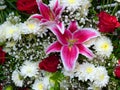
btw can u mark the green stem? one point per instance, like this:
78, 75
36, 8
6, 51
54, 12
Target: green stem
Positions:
115, 8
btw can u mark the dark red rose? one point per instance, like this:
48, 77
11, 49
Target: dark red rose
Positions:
27, 6
50, 63
2, 56
107, 23
0, 87
117, 71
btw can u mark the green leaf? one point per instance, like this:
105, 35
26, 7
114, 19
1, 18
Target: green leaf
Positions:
57, 77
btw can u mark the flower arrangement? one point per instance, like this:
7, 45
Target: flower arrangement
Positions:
59, 45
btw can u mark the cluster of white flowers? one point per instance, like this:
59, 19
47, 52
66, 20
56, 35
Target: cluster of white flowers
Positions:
41, 84
11, 30
28, 69
88, 72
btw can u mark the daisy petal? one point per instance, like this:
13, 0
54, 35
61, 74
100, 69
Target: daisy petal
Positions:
85, 51
54, 47
69, 56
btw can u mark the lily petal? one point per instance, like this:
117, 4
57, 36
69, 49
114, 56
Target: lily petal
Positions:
69, 56
84, 35
61, 27
73, 26
85, 51
62, 38
54, 47
38, 16
56, 5
45, 11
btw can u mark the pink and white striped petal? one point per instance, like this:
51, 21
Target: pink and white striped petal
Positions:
69, 56
84, 35
61, 27
37, 16
54, 47
85, 51
45, 11
73, 26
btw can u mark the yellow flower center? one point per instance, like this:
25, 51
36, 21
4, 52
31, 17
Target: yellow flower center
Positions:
11, 31
102, 77
105, 46
89, 70
40, 86
29, 70
31, 26
71, 1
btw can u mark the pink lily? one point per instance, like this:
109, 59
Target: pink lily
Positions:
71, 44
50, 17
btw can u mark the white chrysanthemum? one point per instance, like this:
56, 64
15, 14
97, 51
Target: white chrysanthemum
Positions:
30, 26
41, 84
17, 78
71, 74
29, 69
103, 46
12, 31
71, 4
101, 77
9, 46
86, 72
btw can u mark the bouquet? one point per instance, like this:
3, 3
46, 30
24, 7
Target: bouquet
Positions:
59, 45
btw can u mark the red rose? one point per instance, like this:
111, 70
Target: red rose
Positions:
2, 56
27, 6
117, 71
49, 64
0, 87
107, 23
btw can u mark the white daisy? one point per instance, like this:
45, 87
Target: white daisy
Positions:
12, 31
41, 84
30, 26
72, 73
17, 78
29, 69
71, 4
86, 71
103, 46
101, 77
